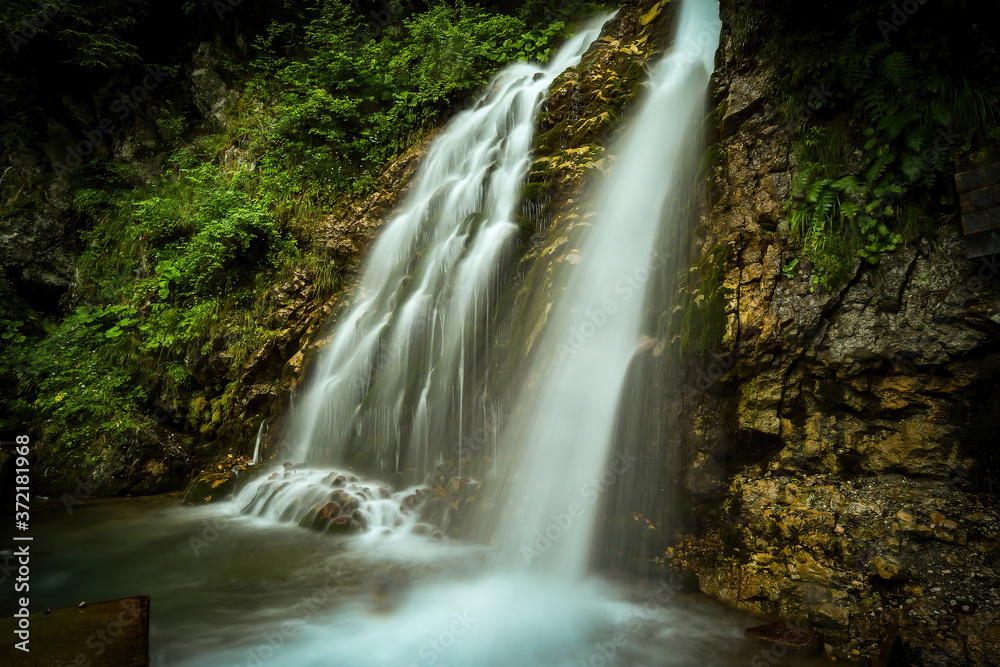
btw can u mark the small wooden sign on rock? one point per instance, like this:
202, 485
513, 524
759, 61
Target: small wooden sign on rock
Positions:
979, 198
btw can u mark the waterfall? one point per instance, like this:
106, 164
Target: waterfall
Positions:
405, 374
261, 432
405, 370
568, 417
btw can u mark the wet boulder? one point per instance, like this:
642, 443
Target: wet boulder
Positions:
349, 503
210, 487
343, 524
323, 516
330, 511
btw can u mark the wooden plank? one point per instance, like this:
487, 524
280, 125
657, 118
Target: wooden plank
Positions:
105, 634
982, 244
978, 178
981, 199
981, 221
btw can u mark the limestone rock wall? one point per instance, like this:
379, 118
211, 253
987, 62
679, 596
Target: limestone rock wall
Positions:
843, 452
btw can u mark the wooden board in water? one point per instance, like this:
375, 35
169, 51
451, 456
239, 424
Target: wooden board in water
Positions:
981, 199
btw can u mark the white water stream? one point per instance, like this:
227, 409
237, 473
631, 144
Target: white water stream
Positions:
567, 417
403, 378
408, 365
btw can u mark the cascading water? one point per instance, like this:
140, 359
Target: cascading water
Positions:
405, 371
568, 417
261, 432
406, 367
410, 358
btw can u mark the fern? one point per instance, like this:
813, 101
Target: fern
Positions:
898, 68
899, 92
848, 184
874, 52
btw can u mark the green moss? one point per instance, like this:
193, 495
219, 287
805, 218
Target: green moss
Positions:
533, 190
700, 321
715, 116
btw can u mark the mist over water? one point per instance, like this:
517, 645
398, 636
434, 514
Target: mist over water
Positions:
406, 373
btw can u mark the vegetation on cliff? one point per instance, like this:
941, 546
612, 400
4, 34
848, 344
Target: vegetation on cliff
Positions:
308, 104
881, 98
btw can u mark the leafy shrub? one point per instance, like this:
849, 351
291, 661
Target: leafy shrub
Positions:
898, 105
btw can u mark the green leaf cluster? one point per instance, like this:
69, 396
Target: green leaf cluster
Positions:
879, 112
352, 95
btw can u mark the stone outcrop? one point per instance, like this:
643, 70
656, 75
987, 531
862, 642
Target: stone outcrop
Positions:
586, 108
841, 462
835, 452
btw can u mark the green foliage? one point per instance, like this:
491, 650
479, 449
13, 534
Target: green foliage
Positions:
897, 105
347, 100
10, 331
81, 394
165, 269
90, 35
206, 233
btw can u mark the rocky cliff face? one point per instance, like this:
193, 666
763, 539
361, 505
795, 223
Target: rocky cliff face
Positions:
270, 376
842, 451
